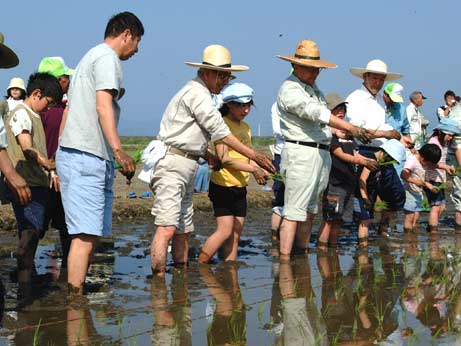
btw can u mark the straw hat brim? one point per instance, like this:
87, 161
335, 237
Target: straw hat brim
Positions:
232, 68
307, 62
390, 76
8, 58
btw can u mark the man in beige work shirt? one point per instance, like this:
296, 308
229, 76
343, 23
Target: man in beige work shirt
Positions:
305, 124
190, 121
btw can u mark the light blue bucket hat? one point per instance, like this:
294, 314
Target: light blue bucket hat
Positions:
394, 149
237, 92
448, 126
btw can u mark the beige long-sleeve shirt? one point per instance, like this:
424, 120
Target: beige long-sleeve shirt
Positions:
191, 119
304, 115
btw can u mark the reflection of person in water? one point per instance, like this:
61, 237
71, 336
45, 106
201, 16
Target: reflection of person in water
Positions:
173, 323
302, 323
334, 303
60, 324
358, 308
229, 319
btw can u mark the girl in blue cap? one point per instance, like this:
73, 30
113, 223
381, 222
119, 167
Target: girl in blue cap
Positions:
227, 189
436, 178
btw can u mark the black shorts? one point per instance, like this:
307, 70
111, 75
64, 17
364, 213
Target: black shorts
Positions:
54, 214
227, 201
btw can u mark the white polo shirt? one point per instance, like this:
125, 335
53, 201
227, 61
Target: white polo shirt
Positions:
365, 110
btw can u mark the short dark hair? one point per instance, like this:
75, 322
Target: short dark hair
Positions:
47, 84
224, 110
431, 153
449, 93
122, 21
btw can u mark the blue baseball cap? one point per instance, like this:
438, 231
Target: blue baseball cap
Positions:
237, 92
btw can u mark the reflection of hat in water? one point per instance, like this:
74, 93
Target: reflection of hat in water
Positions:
394, 149
448, 126
237, 92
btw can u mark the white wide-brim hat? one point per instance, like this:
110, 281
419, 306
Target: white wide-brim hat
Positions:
375, 66
217, 57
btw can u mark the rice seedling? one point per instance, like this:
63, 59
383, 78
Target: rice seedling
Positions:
136, 158
382, 163
441, 187
277, 177
37, 332
381, 205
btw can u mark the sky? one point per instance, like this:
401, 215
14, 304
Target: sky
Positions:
417, 38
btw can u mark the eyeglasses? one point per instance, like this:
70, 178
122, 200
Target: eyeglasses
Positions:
50, 102
225, 76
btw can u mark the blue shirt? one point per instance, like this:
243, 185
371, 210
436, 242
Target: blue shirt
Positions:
396, 116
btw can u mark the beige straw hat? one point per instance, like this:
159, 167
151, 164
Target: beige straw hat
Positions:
307, 54
375, 66
217, 57
8, 58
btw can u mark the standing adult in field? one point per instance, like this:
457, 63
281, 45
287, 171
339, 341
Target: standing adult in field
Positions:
365, 109
51, 119
416, 119
190, 121
305, 122
90, 142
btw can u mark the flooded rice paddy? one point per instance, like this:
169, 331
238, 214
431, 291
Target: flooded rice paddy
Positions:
405, 290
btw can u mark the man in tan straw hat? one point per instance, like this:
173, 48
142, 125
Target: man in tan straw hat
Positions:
305, 123
8, 59
190, 121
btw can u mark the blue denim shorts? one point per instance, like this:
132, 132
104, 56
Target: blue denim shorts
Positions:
413, 201
86, 191
32, 215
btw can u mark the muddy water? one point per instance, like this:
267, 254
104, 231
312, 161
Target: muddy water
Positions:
404, 290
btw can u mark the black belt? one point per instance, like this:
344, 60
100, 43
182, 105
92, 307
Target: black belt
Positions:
369, 148
310, 144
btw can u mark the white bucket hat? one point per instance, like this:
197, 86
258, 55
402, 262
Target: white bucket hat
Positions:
16, 82
217, 57
375, 66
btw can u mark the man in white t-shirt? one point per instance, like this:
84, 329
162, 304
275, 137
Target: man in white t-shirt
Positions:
90, 143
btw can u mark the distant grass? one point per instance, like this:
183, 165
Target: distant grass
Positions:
131, 144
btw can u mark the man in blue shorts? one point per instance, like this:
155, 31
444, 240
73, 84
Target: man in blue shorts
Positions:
90, 143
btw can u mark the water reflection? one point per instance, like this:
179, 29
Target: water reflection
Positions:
302, 322
228, 326
172, 321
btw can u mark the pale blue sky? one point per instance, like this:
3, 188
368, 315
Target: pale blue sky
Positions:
419, 39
